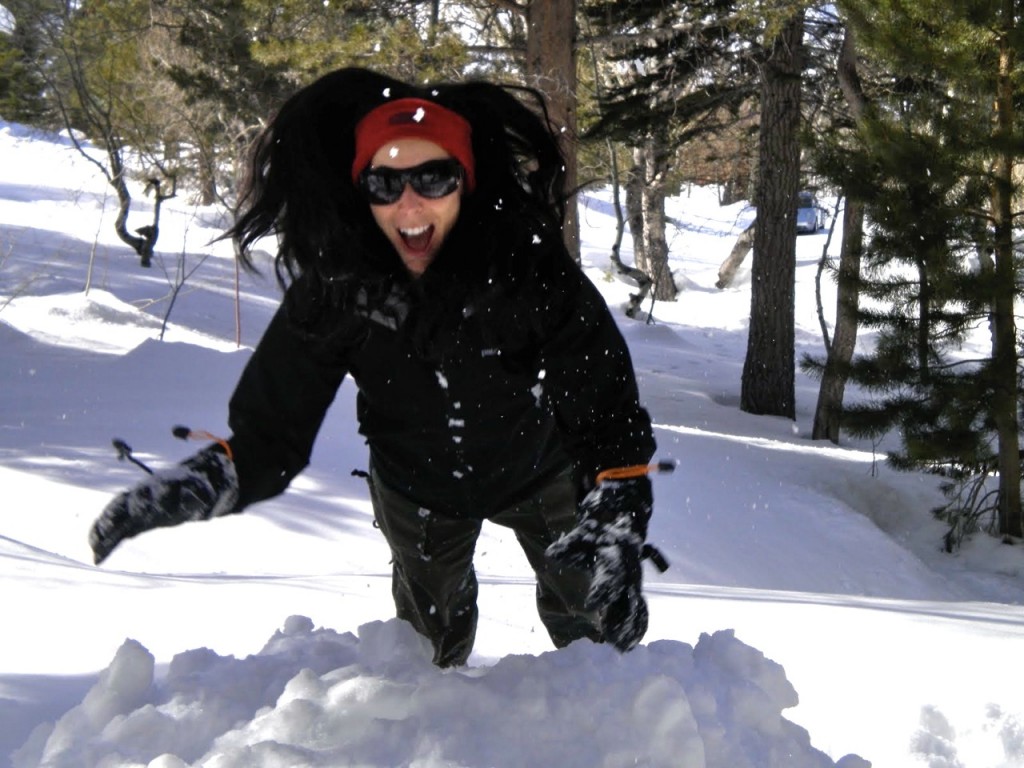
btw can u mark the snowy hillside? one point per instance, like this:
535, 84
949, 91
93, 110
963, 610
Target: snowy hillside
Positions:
808, 616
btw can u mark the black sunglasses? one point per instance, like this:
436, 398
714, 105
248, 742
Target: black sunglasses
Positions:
433, 179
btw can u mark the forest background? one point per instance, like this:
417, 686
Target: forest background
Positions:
905, 112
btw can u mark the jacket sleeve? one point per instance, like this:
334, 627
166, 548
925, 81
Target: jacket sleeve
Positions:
590, 385
279, 404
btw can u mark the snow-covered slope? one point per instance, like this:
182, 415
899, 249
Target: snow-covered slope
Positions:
808, 612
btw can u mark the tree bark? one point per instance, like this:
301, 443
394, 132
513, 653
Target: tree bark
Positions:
828, 412
769, 370
551, 69
739, 252
124, 207
643, 281
635, 218
634, 205
655, 240
840, 351
1004, 351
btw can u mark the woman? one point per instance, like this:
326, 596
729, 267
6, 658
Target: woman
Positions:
420, 247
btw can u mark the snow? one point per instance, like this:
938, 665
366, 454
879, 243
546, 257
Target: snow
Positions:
809, 616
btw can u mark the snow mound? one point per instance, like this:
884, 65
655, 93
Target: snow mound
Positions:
314, 697
97, 321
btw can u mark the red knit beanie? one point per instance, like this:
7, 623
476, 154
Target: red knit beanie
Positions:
419, 119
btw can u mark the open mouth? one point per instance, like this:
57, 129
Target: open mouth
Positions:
418, 238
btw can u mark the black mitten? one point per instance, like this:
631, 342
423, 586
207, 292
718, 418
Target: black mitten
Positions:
608, 541
201, 487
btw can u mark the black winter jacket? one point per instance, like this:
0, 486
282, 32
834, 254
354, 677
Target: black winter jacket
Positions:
467, 434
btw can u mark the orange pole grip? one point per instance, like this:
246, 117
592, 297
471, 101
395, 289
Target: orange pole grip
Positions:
634, 470
204, 435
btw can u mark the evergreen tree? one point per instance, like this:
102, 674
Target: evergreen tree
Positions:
21, 87
696, 66
678, 76
837, 105
237, 60
88, 57
768, 380
551, 68
933, 169
532, 43
681, 74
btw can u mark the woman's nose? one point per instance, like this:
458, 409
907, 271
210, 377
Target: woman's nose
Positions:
409, 197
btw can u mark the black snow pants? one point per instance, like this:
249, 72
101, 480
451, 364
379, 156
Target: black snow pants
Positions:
434, 583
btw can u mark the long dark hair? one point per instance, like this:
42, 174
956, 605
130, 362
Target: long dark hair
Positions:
298, 187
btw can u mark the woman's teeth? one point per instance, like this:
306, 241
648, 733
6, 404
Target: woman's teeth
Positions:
417, 238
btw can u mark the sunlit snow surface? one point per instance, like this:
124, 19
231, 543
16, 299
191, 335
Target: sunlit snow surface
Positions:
801, 572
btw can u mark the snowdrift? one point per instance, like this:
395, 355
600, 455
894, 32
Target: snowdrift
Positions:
314, 697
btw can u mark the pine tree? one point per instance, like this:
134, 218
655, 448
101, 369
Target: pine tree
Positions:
933, 166
680, 78
687, 60
845, 112
769, 369
88, 56
238, 60
21, 87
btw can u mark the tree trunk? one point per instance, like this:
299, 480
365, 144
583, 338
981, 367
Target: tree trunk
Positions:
828, 412
551, 69
634, 205
141, 245
844, 339
635, 218
1004, 351
620, 220
653, 212
769, 370
739, 252
642, 280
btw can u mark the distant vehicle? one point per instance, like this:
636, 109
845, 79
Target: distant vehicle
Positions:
810, 217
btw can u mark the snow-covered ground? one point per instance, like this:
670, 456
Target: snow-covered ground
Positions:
808, 615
